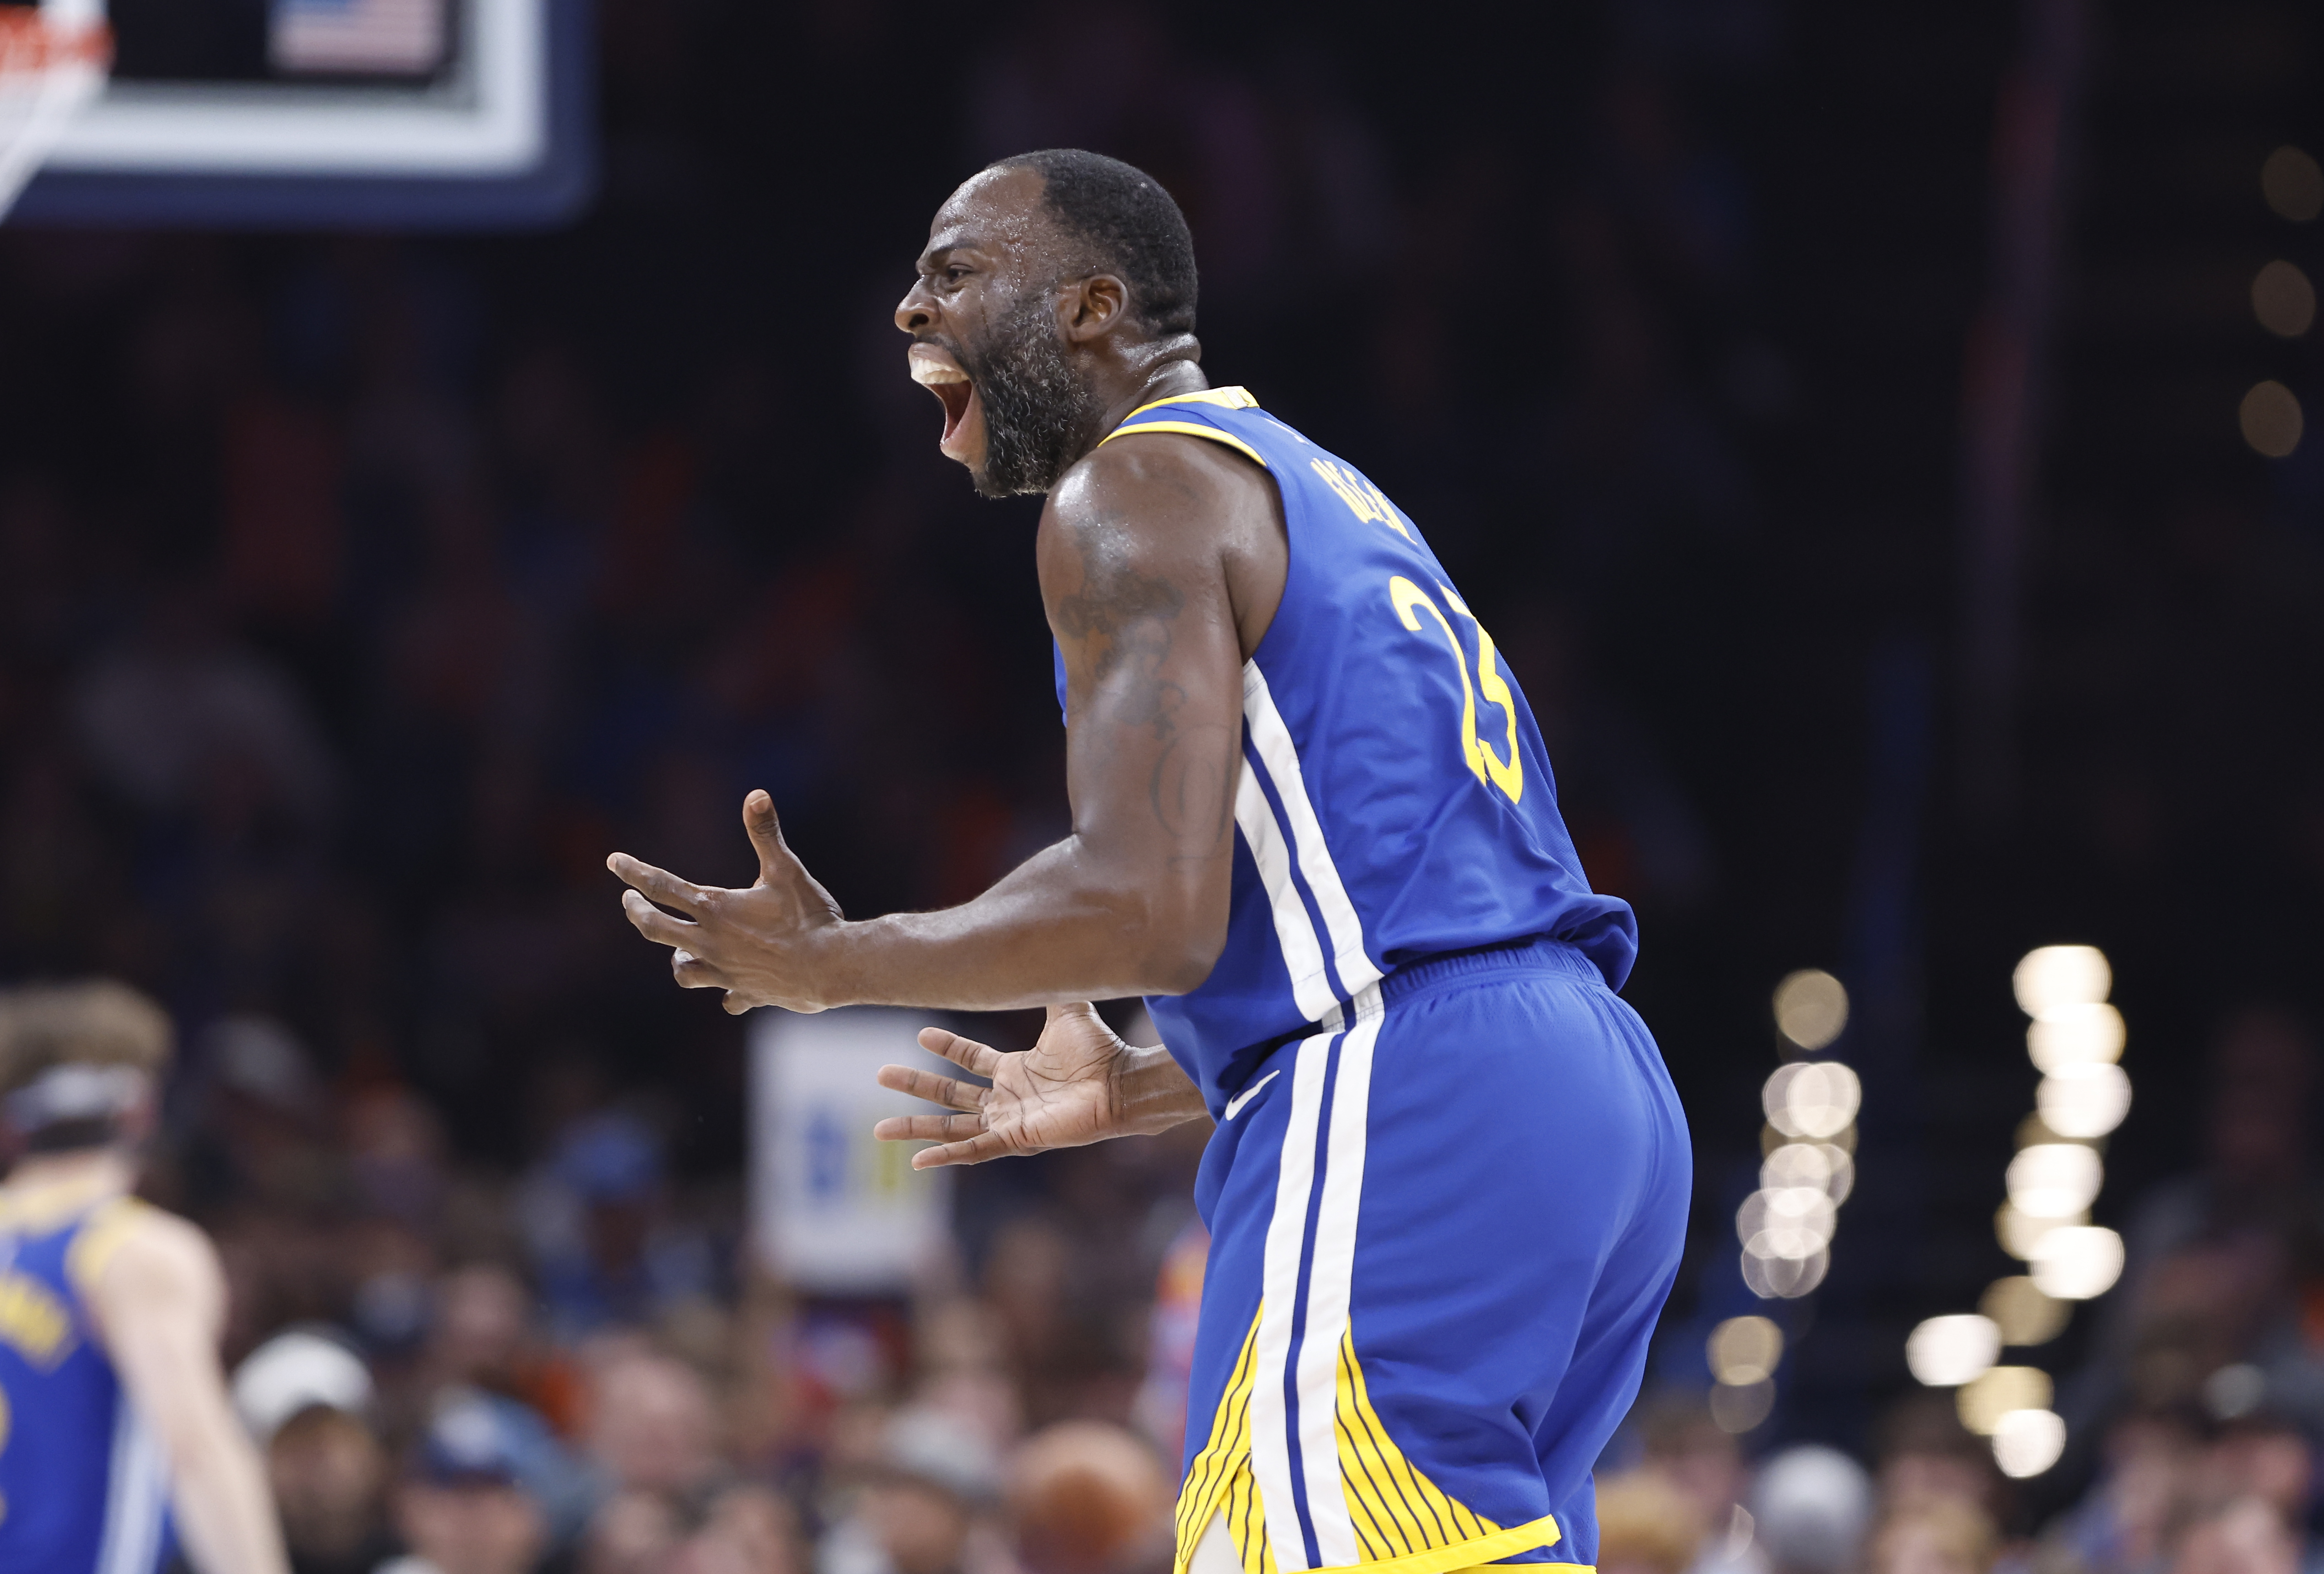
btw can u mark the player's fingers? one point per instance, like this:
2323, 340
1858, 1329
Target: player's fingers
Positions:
948, 1091
659, 885
655, 925
929, 1128
766, 832
977, 1060
693, 973
976, 1151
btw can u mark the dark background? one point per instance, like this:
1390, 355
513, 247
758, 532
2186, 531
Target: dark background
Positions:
361, 592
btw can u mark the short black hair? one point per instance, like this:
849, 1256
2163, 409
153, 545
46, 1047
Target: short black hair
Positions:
1128, 222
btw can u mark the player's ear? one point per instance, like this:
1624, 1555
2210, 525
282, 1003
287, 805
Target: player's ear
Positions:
1094, 305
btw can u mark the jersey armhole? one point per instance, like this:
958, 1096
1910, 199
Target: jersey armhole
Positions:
99, 1238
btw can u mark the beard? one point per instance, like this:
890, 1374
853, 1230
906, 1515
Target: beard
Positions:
1039, 414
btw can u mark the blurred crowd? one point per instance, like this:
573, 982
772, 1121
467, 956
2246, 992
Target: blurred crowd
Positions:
576, 1368
2178, 1493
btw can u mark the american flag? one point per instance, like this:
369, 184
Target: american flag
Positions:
389, 37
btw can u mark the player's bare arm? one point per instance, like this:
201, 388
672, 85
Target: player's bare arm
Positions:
1137, 549
160, 1304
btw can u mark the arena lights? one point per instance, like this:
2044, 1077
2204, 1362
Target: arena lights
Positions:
1811, 1008
2292, 184
2075, 1040
1999, 1391
2272, 420
2283, 299
2026, 1442
1945, 1352
2023, 1312
1786, 1226
1744, 1352
2054, 1180
2077, 1262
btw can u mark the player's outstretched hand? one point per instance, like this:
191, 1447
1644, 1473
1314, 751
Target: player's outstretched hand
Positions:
757, 944
1071, 1088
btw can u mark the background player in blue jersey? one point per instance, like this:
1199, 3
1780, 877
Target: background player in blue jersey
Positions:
117, 1442
1315, 826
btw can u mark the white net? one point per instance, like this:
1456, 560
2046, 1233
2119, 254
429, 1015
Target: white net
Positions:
53, 59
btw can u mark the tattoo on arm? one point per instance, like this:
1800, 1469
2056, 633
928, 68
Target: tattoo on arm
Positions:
1125, 616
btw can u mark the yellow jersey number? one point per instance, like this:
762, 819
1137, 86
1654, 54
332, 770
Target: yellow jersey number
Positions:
1509, 775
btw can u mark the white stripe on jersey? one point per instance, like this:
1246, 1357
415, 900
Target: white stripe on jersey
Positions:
136, 1495
1270, 1421
1331, 1270
1271, 739
1294, 931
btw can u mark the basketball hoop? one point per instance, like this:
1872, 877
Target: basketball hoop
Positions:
53, 58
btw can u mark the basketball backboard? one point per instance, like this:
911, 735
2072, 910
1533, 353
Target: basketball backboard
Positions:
466, 114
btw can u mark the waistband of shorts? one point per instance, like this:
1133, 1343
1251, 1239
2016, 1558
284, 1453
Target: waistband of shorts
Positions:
1536, 954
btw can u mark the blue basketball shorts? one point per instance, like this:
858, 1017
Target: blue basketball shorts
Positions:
1441, 1233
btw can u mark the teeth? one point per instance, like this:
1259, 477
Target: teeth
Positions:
928, 373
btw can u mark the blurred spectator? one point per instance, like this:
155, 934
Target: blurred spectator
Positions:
2147, 1485
1811, 1505
916, 1501
2242, 1536
306, 1398
597, 1220
652, 1426
1938, 1535
484, 1335
1926, 1457
1646, 1525
1085, 1497
464, 1507
1684, 1446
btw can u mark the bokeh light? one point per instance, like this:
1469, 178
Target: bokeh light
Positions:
1744, 1350
1784, 1278
2054, 1180
1994, 1393
2021, 1234
1945, 1352
2293, 184
1811, 1008
2022, 1312
2051, 978
2083, 1101
2283, 299
1823, 1165
2026, 1442
2076, 1035
1812, 1099
2077, 1262
1790, 1222
2272, 420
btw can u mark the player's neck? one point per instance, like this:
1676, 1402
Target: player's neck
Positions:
91, 1171
1165, 369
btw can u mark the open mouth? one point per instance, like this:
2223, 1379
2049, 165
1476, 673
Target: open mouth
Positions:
935, 370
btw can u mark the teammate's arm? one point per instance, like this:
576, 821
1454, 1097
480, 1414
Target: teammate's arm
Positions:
1136, 550
160, 1304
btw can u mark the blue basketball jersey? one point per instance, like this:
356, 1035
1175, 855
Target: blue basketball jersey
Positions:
1394, 799
84, 1488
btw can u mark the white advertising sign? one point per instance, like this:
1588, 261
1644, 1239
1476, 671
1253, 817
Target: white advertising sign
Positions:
834, 1210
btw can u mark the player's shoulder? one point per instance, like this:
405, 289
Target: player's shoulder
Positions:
1184, 486
149, 1249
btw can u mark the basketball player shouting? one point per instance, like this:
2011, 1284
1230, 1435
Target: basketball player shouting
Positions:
1315, 826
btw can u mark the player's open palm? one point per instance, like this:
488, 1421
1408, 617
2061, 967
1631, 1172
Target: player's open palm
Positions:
1062, 1093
